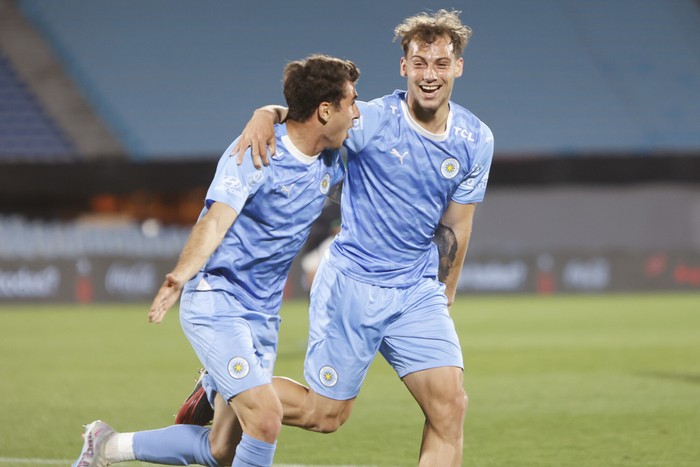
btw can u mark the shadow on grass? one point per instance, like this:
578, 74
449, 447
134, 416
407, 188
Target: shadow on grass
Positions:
692, 378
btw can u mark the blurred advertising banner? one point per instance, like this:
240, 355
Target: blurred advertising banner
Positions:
133, 279
550, 273
84, 280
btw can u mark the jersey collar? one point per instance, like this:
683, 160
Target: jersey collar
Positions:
300, 156
422, 131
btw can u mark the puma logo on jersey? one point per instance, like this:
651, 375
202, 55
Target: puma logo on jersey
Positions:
398, 155
286, 189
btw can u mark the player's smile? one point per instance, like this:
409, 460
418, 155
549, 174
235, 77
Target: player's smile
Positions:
429, 90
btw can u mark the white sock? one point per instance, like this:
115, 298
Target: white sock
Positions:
120, 448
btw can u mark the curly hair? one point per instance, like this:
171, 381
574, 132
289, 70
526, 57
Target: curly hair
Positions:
428, 28
316, 79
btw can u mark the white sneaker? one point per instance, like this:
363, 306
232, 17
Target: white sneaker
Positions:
96, 435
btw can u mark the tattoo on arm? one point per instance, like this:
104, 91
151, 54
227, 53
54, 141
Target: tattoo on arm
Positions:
446, 241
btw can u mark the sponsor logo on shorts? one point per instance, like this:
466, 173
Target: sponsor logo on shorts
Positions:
238, 367
325, 184
328, 376
449, 168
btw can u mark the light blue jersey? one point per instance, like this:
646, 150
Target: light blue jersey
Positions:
408, 176
377, 288
230, 310
276, 207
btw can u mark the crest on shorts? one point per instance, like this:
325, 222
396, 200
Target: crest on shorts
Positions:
328, 376
238, 367
449, 168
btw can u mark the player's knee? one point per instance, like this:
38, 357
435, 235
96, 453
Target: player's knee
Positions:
327, 424
450, 409
460, 402
330, 420
268, 426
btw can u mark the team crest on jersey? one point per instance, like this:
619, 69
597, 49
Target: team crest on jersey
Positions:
328, 376
325, 184
238, 367
449, 168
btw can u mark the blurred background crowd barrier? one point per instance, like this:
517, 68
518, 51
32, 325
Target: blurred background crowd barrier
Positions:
114, 114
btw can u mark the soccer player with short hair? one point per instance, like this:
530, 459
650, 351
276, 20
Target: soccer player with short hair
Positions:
232, 272
417, 165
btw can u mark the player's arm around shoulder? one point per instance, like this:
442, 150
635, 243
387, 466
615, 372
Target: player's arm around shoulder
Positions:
452, 239
259, 135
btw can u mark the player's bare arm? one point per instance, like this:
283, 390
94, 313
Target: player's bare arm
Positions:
259, 135
452, 238
205, 237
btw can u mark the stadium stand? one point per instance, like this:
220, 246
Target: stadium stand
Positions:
25, 130
552, 77
594, 106
55, 99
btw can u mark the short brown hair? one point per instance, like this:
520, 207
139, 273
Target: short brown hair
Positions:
316, 79
428, 28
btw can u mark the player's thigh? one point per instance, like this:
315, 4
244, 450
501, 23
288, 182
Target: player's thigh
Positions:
439, 392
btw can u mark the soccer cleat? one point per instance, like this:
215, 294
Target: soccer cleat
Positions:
196, 409
96, 435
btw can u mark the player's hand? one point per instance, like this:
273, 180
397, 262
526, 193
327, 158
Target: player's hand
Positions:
166, 297
259, 136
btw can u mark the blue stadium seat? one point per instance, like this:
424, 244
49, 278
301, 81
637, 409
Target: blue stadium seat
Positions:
26, 132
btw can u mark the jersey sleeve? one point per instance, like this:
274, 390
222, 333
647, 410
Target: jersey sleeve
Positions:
473, 188
233, 184
366, 126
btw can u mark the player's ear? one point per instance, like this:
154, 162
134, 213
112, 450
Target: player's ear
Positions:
324, 112
403, 67
459, 67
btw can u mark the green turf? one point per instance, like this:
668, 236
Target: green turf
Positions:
556, 381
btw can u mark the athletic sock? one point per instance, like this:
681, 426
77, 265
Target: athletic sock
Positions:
175, 445
252, 452
120, 448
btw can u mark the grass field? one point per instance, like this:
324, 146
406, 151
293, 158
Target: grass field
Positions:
555, 381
